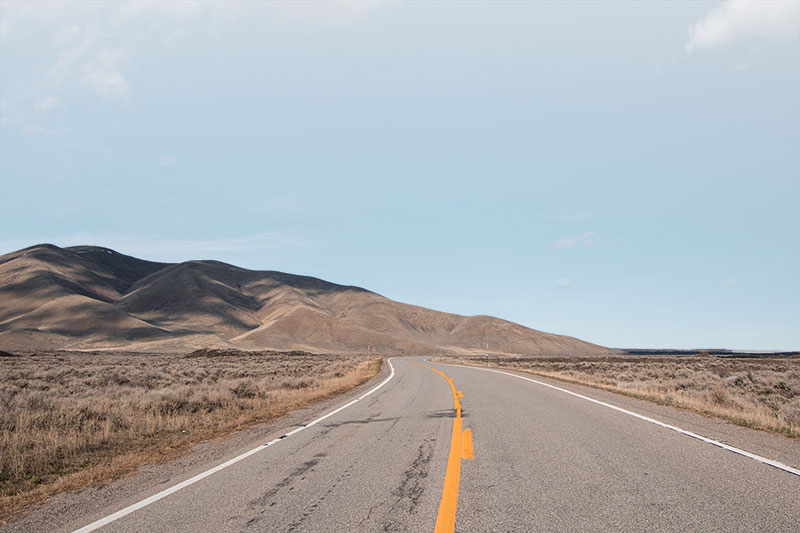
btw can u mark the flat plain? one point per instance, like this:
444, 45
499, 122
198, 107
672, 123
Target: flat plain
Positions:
72, 419
542, 460
757, 392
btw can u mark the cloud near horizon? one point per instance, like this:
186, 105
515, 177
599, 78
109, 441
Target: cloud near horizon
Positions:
169, 249
568, 218
102, 74
563, 283
166, 161
738, 20
571, 242
46, 105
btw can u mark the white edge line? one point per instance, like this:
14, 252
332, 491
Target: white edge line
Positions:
175, 488
733, 449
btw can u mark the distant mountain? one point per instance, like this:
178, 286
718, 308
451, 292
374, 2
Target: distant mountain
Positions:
87, 297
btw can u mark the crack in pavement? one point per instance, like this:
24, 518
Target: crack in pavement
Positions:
408, 494
261, 502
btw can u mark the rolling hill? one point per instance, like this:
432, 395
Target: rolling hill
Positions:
88, 297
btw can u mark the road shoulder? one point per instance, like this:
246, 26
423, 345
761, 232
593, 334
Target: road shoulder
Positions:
70, 510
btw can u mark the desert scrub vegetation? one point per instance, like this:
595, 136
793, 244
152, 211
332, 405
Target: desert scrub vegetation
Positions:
762, 392
73, 419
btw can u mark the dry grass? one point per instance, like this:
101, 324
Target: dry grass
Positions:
71, 419
762, 393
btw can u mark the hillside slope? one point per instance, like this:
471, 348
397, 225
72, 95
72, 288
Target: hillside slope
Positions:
87, 297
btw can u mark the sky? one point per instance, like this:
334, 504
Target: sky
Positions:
625, 173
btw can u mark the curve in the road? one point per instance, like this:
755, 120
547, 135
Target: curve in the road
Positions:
460, 448
175, 488
733, 449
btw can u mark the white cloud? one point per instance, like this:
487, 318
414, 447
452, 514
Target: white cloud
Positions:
103, 76
160, 249
46, 105
291, 205
325, 13
91, 39
745, 63
72, 53
166, 161
568, 218
5, 30
738, 20
730, 282
570, 242
98, 70
66, 35
175, 35
33, 129
563, 283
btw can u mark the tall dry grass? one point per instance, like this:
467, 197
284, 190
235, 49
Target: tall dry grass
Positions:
762, 393
70, 419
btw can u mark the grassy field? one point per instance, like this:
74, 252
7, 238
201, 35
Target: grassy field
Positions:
762, 393
73, 419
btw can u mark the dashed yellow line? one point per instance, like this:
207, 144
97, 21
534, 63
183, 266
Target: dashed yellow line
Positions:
460, 448
467, 451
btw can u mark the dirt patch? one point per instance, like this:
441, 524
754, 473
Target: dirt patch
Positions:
213, 352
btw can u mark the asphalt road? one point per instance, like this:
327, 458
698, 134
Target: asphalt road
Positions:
544, 460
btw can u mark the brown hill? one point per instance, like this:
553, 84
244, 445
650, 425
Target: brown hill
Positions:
86, 297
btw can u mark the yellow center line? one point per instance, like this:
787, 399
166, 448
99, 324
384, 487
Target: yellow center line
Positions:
460, 448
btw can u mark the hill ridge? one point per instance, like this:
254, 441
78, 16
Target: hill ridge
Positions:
92, 297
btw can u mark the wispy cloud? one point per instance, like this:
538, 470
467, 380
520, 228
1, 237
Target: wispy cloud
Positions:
581, 240
166, 161
199, 248
46, 105
568, 218
737, 20
66, 35
80, 60
92, 40
33, 129
175, 35
170, 250
730, 282
103, 75
74, 45
563, 283
745, 63
5, 31
325, 14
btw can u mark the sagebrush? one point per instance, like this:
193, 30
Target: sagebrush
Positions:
69, 419
762, 392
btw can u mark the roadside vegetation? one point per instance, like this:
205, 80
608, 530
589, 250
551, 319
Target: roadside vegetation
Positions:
73, 419
761, 393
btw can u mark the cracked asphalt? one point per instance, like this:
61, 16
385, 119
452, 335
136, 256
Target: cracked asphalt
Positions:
544, 461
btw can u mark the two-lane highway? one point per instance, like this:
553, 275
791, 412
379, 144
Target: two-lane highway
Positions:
544, 460
549, 461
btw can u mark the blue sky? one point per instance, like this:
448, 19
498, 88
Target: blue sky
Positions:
626, 173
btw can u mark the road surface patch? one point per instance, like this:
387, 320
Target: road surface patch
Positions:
739, 451
191, 481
